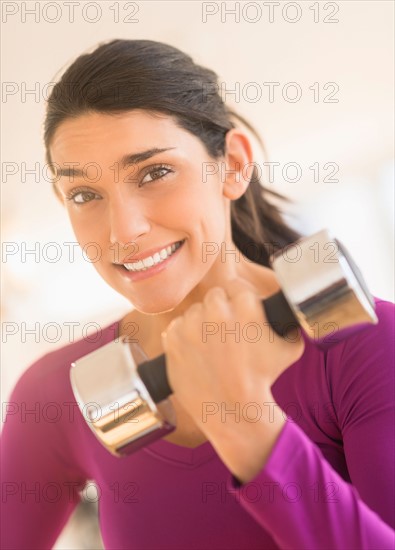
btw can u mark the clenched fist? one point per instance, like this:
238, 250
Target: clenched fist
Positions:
222, 351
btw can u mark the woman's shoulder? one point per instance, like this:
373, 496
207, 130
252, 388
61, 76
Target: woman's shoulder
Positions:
360, 370
50, 372
351, 369
385, 310
374, 338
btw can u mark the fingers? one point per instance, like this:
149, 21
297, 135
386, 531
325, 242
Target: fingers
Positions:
220, 301
229, 290
171, 330
216, 298
244, 297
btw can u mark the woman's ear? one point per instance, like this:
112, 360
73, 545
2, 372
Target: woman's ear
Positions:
238, 166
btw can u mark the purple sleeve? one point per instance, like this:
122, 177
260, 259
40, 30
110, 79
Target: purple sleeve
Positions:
39, 487
311, 506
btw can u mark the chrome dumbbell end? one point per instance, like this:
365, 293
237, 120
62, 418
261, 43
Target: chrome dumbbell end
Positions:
115, 402
324, 288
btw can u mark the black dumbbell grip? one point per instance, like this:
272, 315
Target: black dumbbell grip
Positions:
153, 373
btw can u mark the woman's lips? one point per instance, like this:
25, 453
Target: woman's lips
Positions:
147, 253
151, 271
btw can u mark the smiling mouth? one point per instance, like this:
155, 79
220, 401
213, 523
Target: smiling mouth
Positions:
151, 261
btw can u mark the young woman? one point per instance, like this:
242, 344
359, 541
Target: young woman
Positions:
146, 156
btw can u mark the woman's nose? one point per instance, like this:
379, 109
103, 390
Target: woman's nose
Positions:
127, 220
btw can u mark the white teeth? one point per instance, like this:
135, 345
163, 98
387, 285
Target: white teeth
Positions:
157, 258
148, 262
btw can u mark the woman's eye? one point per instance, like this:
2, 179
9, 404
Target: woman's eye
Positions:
155, 171
82, 197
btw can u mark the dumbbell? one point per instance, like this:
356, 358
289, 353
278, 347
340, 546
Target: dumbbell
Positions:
123, 395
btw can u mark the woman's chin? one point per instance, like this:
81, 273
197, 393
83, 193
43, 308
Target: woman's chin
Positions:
155, 310
157, 307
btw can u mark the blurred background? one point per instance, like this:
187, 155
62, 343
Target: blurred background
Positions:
316, 79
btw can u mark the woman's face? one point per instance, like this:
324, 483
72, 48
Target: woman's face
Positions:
122, 208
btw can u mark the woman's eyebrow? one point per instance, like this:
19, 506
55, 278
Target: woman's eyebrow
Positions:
125, 161
134, 158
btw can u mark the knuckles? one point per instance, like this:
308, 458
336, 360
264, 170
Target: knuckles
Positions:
194, 311
214, 294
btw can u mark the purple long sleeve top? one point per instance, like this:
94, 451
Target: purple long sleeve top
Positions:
328, 482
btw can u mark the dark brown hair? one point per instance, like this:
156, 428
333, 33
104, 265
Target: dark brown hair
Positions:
123, 75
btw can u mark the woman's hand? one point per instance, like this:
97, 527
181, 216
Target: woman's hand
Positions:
222, 358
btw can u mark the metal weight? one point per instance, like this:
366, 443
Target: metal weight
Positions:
123, 395
115, 402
